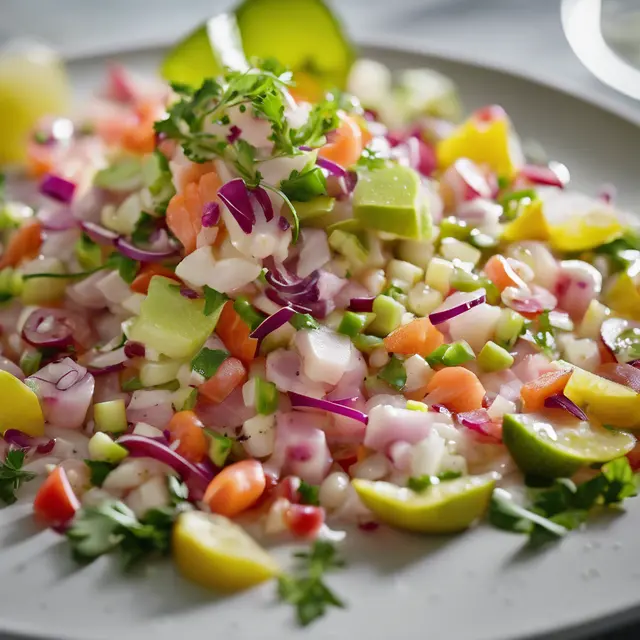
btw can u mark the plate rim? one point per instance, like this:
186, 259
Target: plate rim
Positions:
389, 44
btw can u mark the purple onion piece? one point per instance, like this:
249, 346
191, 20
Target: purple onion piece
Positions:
283, 223
362, 305
57, 188
133, 349
235, 195
189, 293
98, 233
273, 322
210, 214
57, 333
264, 201
332, 167
299, 401
438, 317
22, 440
143, 255
234, 134
560, 401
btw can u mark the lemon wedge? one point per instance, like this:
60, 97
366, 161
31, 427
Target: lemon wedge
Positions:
20, 408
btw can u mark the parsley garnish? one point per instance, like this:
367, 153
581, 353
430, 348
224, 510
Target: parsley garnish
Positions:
213, 300
309, 493
370, 160
422, 483
308, 593
99, 470
304, 186
303, 321
544, 337
12, 476
394, 373
208, 361
563, 506
126, 267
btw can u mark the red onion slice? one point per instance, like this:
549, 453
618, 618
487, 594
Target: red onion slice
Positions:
23, 440
555, 174
478, 421
210, 214
332, 167
57, 188
265, 202
98, 233
49, 328
197, 478
273, 322
143, 255
446, 313
299, 401
560, 401
235, 195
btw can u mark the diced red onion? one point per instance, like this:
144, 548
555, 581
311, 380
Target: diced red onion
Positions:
578, 283
143, 255
57, 188
607, 193
134, 349
196, 478
234, 133
555, 174
362, 305
235, 195
560, 401
210, 214
22, 440
108, 362
623, 373
283, 223
299, 401
445, 313
635, 363
49, 328
478, 421
439, 408
98, 233
332, 167
152, 406
189, 293
610, 329
273, 322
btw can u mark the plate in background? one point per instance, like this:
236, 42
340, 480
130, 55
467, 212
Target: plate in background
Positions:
480, 585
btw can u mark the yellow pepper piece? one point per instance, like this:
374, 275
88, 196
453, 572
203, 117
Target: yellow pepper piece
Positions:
584, 232
19, 407
482, 142
529, 225
624, 297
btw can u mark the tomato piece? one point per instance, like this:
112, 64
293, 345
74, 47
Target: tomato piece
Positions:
236, 488
304, 520
234, 332
230, 375
55, 503
24, 244
186, 429
502, 274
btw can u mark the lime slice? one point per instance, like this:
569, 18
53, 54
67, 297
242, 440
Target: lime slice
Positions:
447, 507
303, 35
23, 411
544, 450
624, 296
33, 83
215, 553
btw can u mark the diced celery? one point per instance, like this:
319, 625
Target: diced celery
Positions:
110, 416
415, 405
348, 245
422, 299
153, 374
388, 314
493, 357
366, 343
102, 447
170, 323
509, 327
439, 274
451, 227
457, 353
266, 397
482, 240
40, 291
453, 249
354, 323
435, 357
418, 252
404, 271
219, 447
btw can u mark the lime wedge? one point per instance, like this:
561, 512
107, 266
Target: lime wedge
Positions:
33, 83
544, 450
215, 553
303, 35
447, 507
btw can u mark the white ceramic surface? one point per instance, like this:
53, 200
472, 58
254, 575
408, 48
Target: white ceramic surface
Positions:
480, 585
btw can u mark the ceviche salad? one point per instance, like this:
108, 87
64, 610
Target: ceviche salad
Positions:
249, 304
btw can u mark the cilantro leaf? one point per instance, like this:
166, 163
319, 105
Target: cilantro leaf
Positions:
307, 592
145, 226
394, 373
12, 476
303, 321
304, 186
99, 470
213, 300
309, 493
208, 361
370, 160
126, 267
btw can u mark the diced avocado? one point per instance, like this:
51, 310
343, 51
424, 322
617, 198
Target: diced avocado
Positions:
493, 357
349, 246
457, 353
320, 206
219, 447
354, 323
110, 416
390, 200
102, 447
388, 314
170, 323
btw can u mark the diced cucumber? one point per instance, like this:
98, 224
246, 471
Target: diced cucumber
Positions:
452, 227
417, 252
124, 174
354, 323
404, 271
318, 207
153, 374
123, 219
184, 399
102, 447
509, 327
453, 249
13, 214
157, 178
30, 361
219, 447
457, 353
439, 274
435, 357
366, 343
493, 357
170, 323
11, 284
110, 416
40, 291
388, 314
349, 246
422, 299
88, 253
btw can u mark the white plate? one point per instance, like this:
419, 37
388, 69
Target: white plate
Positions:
480, 585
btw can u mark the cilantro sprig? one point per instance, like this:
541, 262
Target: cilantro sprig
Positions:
12, 476
307, 591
